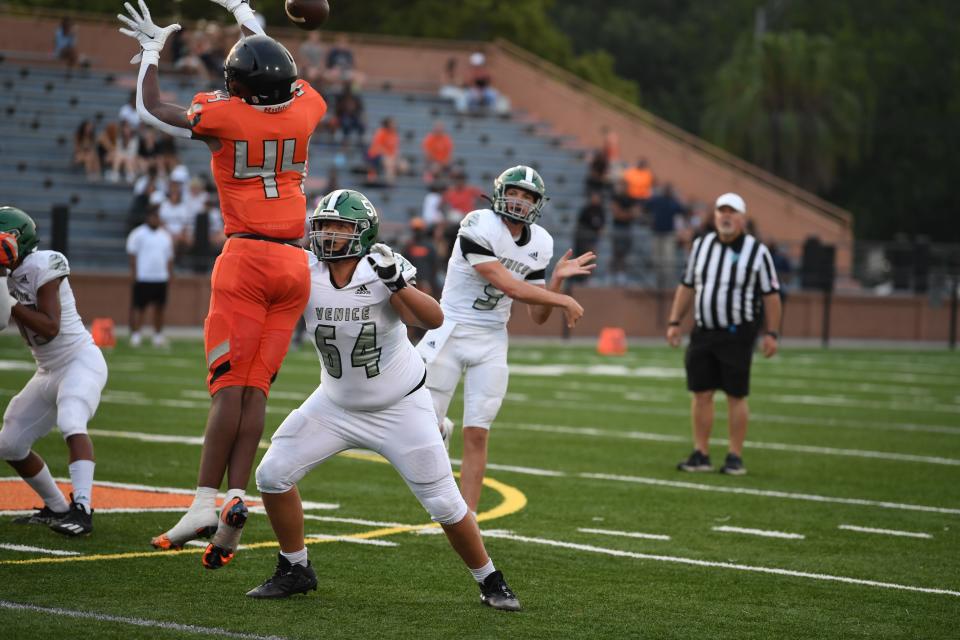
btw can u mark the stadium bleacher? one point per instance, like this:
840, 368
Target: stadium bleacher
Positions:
43, 105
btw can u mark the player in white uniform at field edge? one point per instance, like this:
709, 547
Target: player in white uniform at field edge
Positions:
371, 395
65, 390
500, 255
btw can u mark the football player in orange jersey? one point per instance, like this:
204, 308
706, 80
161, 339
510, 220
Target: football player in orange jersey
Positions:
258, 132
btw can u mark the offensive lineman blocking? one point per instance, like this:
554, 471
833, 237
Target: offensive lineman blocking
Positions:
65, 390
371, 396
258, 132
500, 255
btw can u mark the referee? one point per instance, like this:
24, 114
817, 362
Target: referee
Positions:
728, 273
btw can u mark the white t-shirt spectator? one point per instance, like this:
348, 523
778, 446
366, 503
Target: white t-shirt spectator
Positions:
153, 251
176, 217
432, 211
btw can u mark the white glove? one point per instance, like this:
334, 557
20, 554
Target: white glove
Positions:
384, 263
243, 13
150, 36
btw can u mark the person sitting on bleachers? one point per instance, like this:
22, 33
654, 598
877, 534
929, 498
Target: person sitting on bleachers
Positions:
383, 155
148, 151
310, 60
65, 43
350, 118
461, 197
125, 155
107, 144
341, 66
175, 213
85, 150
438, 152
128, 112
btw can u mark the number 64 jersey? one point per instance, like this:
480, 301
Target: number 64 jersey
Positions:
467, 297
368, 362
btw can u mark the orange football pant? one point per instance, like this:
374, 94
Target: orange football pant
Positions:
259, 290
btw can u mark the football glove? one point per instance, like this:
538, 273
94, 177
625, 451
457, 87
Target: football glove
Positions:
9, 250
384, 263
150, 36
243, 13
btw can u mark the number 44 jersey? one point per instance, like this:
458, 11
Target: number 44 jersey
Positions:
261, 166
467, 297
368, 362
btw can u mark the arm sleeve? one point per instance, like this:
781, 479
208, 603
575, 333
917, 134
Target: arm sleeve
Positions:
149, 118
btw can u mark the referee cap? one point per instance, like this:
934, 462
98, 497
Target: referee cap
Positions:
733, 201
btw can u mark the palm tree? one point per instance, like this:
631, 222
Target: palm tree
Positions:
792, 103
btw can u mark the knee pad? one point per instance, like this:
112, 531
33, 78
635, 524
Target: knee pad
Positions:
442, 500
73, 414
11, 447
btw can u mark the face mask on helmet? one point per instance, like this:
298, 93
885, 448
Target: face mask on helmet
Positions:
344, 225
517, 206
519, 194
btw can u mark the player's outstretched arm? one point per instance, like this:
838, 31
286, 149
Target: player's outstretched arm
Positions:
245, 16
497, 275
169, 118
45, 319
566, 267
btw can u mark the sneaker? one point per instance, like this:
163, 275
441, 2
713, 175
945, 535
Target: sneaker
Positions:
227, 538
446, 432
135, 340
191, 526
77, 522
45, 516
697, 462
159, 341
733, 465
495, 593
287, 580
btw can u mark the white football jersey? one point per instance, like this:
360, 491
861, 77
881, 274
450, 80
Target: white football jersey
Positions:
470, 299
368, 362
36, 270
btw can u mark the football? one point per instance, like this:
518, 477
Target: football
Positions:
307, 14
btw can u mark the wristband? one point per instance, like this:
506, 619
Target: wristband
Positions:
773, 334
673, 323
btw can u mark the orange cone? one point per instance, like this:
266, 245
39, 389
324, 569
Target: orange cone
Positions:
612, 342
102, 330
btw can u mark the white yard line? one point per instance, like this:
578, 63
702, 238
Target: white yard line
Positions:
137, 622
28, 549
774, 446
887, 532
373, 542
785, 495
719, 565
765, 533
626, 534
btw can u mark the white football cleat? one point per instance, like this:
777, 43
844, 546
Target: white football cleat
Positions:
446, 432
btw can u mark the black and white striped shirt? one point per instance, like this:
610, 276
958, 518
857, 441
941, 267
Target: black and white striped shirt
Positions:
726, 279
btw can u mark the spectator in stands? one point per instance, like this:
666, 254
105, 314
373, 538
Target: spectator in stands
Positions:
437, 151
150, 248
623, 210
85, 150
422, 254
143, 189
125, 155
185, 59
664, 209
341, 66
590, 223
638, 181
107, 144
148, 150
383, 155
483, 96
65, 43
167, 158
128, 112
196, 198
432, 212
611, 148
688, 225
460, 197
452, 87
597, 168
349, 113
215, 52
311, 62
175, 213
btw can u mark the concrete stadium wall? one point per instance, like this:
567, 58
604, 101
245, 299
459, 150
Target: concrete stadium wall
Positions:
641, 313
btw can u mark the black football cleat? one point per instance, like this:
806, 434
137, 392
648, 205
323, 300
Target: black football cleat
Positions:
45, 516
495, 593
288, 579
77, 522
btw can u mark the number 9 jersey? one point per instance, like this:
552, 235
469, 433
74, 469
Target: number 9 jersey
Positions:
467, 297
368, 362
261, 166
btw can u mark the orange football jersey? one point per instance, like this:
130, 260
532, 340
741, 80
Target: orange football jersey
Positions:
262, 164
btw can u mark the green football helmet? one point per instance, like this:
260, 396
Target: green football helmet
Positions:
343, 205
521, 177
15, 221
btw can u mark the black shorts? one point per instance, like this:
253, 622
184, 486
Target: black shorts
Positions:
147, 293
720, 360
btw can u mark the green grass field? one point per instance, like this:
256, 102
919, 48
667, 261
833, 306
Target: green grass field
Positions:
584, 452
